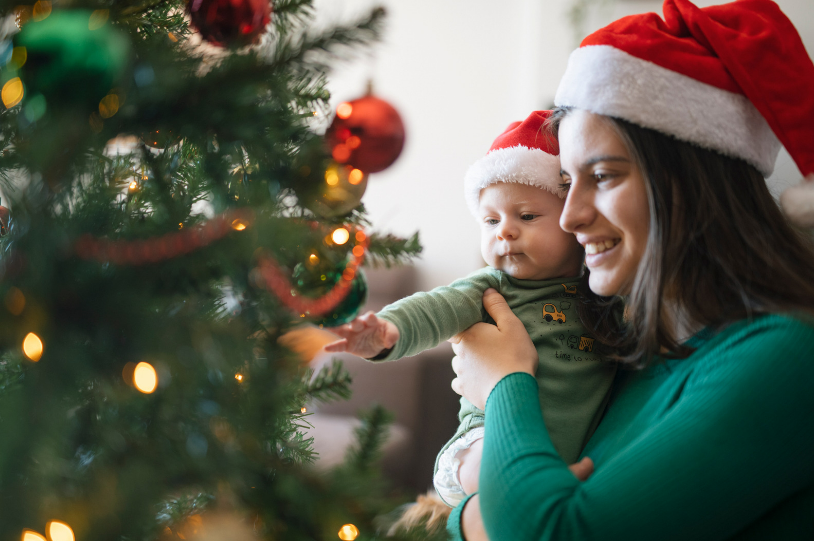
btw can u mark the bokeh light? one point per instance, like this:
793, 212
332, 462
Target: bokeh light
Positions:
109, 106
42, 9
15, 301
344, 110
145, 378
31, 535
331, 177
353, 142
32, 347
12, 92
358, 251
348, 532
340, 153
360, 236
238, 225
303, 410
59, 531
98, 19
239, 377
133, 186
313, 259
340, 235
356, 176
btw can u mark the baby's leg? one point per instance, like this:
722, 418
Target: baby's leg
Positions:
469, 470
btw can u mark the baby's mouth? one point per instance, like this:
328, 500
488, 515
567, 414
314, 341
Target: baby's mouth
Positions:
592, 248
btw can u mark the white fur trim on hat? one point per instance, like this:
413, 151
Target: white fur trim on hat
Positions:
607, 81
518, 164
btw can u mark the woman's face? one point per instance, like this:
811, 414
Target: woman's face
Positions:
607, 206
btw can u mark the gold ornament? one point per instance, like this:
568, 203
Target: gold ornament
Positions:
341, 192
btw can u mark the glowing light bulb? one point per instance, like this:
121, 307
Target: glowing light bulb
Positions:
109, 106
133, 186
145, 378
32, 347
331, 177
180, 226
239, 377
348, 532
59, 531
313, 259
344, 110
12, 92
238, 225
31, 535
360, 236
356, 176
358, 251
303, 409
353, 142
340, 235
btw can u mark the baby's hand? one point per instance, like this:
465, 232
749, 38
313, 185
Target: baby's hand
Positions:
365, 336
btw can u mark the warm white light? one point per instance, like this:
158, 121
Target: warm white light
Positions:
303, 409
238, 225
344, 110
32, 347
348, 532
30, 535
239, 377
145, 378
331, 177
356, 176
59, 531
340, 235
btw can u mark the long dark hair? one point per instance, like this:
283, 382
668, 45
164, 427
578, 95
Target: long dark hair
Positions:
718, 246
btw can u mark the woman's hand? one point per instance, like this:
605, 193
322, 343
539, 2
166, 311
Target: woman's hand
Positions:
486, 353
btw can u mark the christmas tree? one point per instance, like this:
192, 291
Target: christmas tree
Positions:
170, 211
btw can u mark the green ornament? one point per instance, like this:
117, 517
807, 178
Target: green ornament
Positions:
72, 56
350, 307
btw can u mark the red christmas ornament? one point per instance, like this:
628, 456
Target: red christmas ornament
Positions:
366, 133
229, 22
4, 214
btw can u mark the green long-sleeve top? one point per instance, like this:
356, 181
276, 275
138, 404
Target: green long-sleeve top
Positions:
719, 445
574, 383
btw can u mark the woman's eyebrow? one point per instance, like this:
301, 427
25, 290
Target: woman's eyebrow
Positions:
605, 158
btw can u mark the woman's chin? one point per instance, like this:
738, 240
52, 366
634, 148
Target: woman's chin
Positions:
605, 284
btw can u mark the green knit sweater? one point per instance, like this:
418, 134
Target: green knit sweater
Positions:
716, 446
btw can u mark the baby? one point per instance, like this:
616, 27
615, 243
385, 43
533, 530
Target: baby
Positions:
514, 191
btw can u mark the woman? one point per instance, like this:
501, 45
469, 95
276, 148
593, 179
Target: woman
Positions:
666, 130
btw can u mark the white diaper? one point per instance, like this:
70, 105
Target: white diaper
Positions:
446, 479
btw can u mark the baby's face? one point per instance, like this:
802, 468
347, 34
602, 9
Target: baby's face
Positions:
521, 235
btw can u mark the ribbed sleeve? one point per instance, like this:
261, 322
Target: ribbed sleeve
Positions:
426, 319
709, 447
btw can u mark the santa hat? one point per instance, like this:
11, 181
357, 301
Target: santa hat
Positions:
525, 153
734, 78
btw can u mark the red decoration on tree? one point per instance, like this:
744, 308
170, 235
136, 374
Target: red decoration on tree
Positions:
229, 22
4, 214
366, 133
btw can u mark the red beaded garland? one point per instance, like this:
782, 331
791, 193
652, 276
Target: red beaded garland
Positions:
229, 22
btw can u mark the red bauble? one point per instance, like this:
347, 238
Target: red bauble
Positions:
366, 133
229, 22
4, 214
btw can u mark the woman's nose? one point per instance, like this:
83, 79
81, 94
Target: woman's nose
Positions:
578, 210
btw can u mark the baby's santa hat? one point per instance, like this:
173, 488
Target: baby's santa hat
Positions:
734, 78
525, 153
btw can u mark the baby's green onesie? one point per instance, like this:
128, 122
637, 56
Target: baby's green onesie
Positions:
574, 382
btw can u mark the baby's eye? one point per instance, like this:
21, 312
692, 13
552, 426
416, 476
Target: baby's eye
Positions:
527, 217
492, 221
565, 186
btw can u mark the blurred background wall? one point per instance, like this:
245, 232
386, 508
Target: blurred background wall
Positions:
460, 71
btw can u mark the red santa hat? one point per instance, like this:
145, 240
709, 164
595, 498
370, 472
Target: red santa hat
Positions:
524, 153
734, 78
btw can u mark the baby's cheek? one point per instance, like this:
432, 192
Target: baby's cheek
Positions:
487, 251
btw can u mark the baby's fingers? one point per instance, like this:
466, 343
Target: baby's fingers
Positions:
338, 346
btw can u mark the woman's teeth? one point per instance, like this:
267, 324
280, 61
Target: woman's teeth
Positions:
592, 248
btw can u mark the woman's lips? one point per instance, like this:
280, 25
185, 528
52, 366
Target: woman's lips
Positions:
597, 252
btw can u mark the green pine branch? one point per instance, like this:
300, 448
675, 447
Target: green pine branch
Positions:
389, 250
331, 383
370, 438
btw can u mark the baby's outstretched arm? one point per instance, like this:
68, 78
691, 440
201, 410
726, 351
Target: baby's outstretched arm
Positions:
365, 336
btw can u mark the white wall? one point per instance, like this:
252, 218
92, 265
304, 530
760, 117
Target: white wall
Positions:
459, 71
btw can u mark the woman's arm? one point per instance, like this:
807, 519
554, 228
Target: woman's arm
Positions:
736, 442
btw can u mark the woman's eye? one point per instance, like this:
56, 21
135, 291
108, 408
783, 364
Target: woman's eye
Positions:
565, 186
602, 177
